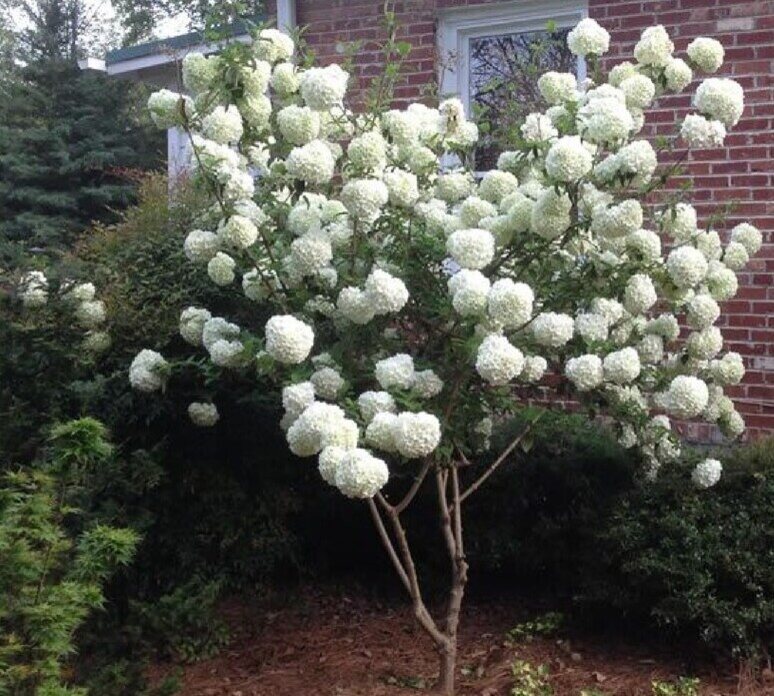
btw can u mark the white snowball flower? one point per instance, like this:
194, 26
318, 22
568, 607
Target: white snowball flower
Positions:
454, 186
588, 38
416, 434
360, 475
273, 45
496, 185
297, 397
472, 248
722, 282
721, 99
568, 160
707, 473
328, 463
238, 232
469, 291
707, 54
654, 47
748, 236
557, 87
323, 88
701, 133
368, 152
585, 372
427, 384
90, 313
255, 78
288, 340
318, 426
217, 329
678, 75
617, 220
298, 124
535, 367
148, 371
225, 353
705, 344
96, 341
537, 128
83, 292
612, 310
639, 91
223, 125
355, 305
687, 396
166, 108
380, 432
284, 79
638, 158
618, 73
640, 294
651, 349
510, 303
402, 187
311, 253
552, 330
605, 120
364, 198
686, 266
622, 366
645, 244
327, 383
385, 292
703, 311
728, 370
220, 269
372, 402
205, 415
312, 163
550, 216
395, 372
592, 327
200, 246
474, 209
735, 256
498, 361
198, 71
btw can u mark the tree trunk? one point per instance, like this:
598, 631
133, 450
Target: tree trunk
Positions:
447, 668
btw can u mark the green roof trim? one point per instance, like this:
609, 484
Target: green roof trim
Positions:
172, 43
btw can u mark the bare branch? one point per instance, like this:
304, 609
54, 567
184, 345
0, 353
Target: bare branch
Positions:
403, 504
388, 545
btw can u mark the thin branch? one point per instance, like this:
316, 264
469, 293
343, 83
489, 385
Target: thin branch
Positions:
388, 545
441, 481
493, 466
457, 507
403, 504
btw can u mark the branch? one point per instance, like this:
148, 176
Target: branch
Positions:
403, 504
388, 545
493, 466
441, 480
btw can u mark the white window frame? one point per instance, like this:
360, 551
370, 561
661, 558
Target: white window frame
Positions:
458, 26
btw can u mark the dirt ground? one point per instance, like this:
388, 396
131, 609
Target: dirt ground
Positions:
327, 645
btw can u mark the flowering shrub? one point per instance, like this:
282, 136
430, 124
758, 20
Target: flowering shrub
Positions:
411, 298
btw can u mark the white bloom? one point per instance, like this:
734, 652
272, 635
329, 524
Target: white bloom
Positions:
385, 292
535, 367
471, 248
474, 209
223, 125
604, 120
318, 426
618, 73
323, 88
700, 133
510, 303
454, 186
273, 45
591, 327
328, 463
96, 341
680, 222
612, 310
686, 266
166, 108
728, 370
707, 473
298, 124
402, 187
638, 158
416, 434
687, 396
496, 185
284, 79
622, 366
732, 424
360, 475
83, 292
748, 236
705, 344
537, 128
224, 353
203, 415
148, 371
364, 198
368, 152
651, 349
588, 38
403, 126
311, 253
654, 47
568, 160
217, 329
640, 294
550, 215
238, 232
380, 432
395, 372
707, 54
639, 91
557, 87
90, 313
721, 99
735, 256
327, 383
617, 220
585, 372
703, 311
288, 340
552, 330
469, 291
372, 402
497, 361
678, 75
255, 78
721, 281
665, 326
355, 305
708, 243
297, 397
427, 384
645, 243
221, 269
33, 289
312, 163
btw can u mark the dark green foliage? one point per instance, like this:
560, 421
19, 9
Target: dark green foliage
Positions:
54, 562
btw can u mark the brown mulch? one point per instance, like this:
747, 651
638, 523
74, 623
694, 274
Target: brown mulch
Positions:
326, 645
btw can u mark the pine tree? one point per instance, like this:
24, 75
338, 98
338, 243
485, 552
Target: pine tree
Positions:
67, 138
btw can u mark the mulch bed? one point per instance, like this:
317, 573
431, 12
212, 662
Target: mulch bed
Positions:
335, 645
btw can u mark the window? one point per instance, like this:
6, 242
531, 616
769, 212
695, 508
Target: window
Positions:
492, 55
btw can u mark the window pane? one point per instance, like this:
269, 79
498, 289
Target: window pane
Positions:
503, 82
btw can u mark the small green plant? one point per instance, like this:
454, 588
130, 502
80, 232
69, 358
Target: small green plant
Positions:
684, 686
544, 625
529, 680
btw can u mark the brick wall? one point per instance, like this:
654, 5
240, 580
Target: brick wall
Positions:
740, 173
